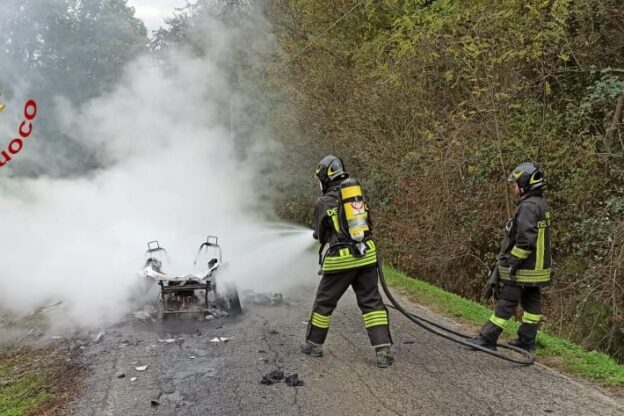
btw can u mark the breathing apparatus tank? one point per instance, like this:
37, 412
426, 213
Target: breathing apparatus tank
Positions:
354, 209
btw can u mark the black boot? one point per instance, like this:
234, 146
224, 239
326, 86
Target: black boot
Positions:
385, 358
524, 343
312, 349
484, 342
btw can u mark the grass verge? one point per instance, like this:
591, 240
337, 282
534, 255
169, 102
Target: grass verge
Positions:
36, 381
550, 349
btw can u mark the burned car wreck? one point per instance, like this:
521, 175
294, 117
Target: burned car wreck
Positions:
200, 293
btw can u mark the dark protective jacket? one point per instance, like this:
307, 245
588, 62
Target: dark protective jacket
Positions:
341, 254
526, 247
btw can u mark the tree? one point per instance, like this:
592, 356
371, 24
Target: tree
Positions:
76, 49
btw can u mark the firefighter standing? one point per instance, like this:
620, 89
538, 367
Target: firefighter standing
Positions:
350, 260
523, 264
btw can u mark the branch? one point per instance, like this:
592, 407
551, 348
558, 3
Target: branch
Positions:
617, 117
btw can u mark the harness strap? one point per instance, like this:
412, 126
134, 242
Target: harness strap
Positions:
320, 253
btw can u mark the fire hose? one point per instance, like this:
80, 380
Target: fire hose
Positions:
446, 332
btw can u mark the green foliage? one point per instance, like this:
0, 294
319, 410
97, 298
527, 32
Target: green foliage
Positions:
431, 104
73, 48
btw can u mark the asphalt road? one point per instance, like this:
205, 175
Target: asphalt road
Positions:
432, 376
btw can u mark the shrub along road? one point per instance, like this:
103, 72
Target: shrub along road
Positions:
194, 376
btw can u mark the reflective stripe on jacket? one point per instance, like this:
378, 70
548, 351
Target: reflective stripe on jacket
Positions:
345, 260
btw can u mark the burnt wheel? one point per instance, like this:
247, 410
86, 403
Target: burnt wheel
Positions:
228, 299
232, 299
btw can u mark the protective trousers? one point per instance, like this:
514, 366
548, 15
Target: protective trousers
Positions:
529, 298
331, 289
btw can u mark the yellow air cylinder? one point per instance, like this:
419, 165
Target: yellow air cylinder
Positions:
354, 209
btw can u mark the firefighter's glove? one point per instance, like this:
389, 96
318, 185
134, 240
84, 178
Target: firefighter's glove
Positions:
492, 287
496, 291
487, 292
491, 291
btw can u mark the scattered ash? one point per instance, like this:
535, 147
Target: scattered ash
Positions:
273, 377
266, 299
216, 313
293, 380
150, 313
277, 376
26, 329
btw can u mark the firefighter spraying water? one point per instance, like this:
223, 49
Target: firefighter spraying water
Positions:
342, 224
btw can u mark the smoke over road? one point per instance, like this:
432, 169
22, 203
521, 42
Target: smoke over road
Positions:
170, 171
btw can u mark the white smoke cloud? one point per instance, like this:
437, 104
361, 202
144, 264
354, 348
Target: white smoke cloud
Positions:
172, 175
154, 12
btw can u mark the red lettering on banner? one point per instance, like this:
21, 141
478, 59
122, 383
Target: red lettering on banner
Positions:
30, 104
25, 130
15, 143
21, 129
6, 157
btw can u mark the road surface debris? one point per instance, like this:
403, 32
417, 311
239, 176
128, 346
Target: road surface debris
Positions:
265, 299
276, 376
99, 336
293, 380
273, 377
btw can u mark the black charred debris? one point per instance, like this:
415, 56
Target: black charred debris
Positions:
276, 376
293, 380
